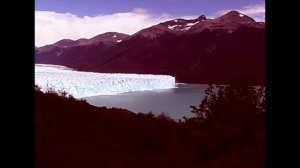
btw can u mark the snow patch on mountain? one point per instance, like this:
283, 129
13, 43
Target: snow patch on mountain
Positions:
85, 84
192, 24
172, 27
186, 28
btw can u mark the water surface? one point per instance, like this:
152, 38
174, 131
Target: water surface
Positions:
174, 102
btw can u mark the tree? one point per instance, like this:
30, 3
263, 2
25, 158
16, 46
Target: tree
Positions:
238, 104
235, 116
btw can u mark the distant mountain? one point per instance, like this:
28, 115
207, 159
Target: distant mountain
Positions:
199, 50
76, 53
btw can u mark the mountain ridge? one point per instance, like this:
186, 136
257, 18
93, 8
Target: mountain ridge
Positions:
198, 50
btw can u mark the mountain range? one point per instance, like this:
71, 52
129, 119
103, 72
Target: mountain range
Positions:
199, 50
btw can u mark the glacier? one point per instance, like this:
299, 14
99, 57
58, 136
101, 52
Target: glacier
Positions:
85, 84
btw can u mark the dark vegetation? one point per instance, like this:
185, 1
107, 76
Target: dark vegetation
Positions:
228, 132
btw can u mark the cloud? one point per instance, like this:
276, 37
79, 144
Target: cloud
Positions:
256, 11
51, 26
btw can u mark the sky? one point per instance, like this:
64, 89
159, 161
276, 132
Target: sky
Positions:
75, 19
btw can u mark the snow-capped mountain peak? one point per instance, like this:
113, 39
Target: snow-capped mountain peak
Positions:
175, 27
235, 16
183, 24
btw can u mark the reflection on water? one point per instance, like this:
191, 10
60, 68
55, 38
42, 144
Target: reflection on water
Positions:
174, 102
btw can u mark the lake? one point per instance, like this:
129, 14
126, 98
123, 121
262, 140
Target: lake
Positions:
173, 102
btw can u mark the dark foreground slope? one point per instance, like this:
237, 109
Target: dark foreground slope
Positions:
72, 133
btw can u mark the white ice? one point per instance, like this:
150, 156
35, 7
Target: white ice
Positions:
118, 41
241, 15
85, 84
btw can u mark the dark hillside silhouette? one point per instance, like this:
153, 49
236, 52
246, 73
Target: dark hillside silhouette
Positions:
72, 133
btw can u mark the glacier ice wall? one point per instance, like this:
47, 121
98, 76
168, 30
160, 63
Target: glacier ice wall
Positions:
85, 84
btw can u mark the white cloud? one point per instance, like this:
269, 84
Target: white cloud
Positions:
51, 26
256, 11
